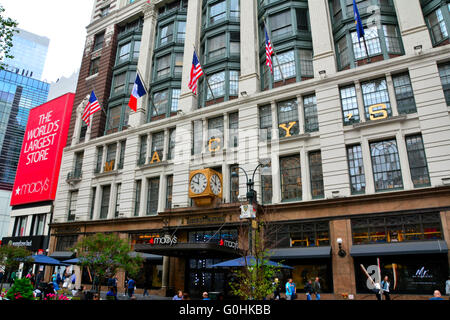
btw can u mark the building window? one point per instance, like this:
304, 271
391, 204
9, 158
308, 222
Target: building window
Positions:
404, 93
175, 99
181, 34
266, 186
376, 99
166, 34
104, 208
306, 63
172, 137
265, 123
397, 228
111, 150
123, 53
291, 180
343, 53
286, 63
372, 42
350, 111
444, 73
234, 184
104, 11
65, 243
98, 41
157, 147
215, 134
392, 38
119, 82
117, 206
163, 66
217, 12
233, 127
217, 46
122, 154
281, 24
356, 169
436, 24
142, 150
314, 234
38, 225
197, 137
137, 197
417, 161
20, 225
98, 166
386, 165
93, 67
73, 196
92, 209
152, 196
310, 110
315, 168
169, 190
77, 173
160, 103
164, 104
216, 85
288, 118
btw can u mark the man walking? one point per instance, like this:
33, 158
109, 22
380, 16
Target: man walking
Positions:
290, 289
131, 284
317, 289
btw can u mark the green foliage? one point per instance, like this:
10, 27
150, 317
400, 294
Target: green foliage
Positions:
21, 290
7, 29
106, 254
11, 257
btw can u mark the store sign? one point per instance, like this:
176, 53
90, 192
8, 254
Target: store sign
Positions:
166, 240
287, 128
33, 243
378, 112
228, 244
42, 148
422, 273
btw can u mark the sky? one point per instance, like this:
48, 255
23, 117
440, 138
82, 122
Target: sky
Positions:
63, 22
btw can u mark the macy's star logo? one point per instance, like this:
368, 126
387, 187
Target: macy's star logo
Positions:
17, 191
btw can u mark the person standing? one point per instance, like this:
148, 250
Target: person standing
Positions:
308, 290
447, 287
290, 290
277, 289
55, 281
12, 278
436, 295
130, 285
178, 296
377, 290
317, 288
73, 279
205, 296
385, 285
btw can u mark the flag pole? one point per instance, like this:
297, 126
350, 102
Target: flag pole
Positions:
206, 77
101, 108
274, 52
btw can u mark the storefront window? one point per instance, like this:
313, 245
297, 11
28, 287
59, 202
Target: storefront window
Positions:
397, 228
291, 180
303, 272
409, 274
386, 165
213, 236
313, 234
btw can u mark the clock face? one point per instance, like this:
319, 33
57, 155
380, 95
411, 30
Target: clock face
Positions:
216, 186
198, 183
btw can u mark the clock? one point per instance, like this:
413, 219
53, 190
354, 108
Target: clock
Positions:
205, 185
216, 184
198, 183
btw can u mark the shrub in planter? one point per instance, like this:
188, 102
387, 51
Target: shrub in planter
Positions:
21, 290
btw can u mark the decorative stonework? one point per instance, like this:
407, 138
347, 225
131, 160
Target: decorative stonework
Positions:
149, 10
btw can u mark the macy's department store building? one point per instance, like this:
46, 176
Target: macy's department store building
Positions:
358, 147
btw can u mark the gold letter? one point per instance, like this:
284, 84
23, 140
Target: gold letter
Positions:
155, 157
382, 113
210, 143
288, 129
109, 166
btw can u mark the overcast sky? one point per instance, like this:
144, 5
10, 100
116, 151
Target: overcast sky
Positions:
63, 22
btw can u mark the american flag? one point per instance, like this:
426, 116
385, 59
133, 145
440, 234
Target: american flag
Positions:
269, 51
92, 107
196, 73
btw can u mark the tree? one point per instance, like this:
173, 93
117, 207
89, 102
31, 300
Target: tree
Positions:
255, 281
105, 255
21, 290
7, 29
11, 257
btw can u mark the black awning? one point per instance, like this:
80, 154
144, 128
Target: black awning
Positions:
188, 250
300, 253
147, 256
395, 248
62, 255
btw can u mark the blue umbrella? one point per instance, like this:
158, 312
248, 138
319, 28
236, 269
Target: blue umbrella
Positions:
249, 261
42, 259
72, 261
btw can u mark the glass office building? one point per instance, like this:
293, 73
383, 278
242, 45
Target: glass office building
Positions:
18, 94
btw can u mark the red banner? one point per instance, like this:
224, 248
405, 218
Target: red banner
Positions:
42, 147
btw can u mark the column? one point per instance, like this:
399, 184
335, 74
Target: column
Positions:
412, 25
391, 90
162, 192
183, 145
143, 203
404, 162
301, 114
188, 101
226, 183
322, 37
249, 78
367, 161
360, 100
305, 172
145, 62
226, 131
165, 274
78, 121
166, 144
98, 202
275, 157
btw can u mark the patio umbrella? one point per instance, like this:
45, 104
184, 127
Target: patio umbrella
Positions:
72, 261
249, 261
45, 260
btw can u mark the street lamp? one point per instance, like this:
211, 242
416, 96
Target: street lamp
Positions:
251, 193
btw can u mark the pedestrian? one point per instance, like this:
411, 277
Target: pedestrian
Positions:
49, 289
12, 278
58, 279
290, 290
111, 295
131, 286
55, 281
33, 280
277, 289
317, 288
1, 275
178, 296
385, 285
39, 278
377, 290
205, 296
309, 290
436, 295
73, 279
447, 287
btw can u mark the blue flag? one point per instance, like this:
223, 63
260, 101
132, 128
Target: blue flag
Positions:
358, 22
